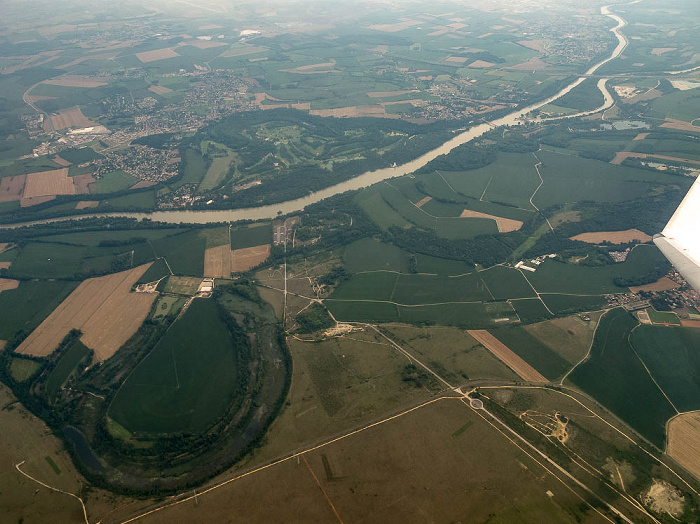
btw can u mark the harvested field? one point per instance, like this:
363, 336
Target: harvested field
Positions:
505, 355
531, 65
690, 323
621, 156
641, 136
535, 45
684, 441
85, 204
614, 237
48, 183
103, 308
505, 225
481, 64
423, 201
61, 161
249, 257
33, 201
204, 44
386, 94
394, 28
11, 188
663, 284
81, 183
8, 283
456, 59
672, 123
76, 81
157, 54
217, 262
354, 111
66, 118
143, 183
160, 90
5, 246
313, 69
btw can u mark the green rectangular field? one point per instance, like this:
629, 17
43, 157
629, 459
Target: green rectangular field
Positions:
567, 304
113, 182
251, 236
672, 356
369, 254
368, 286
531, 310
184, 252
540, 356
616, 378
505, 283
71, 357
663, 317
431, 289
362, 311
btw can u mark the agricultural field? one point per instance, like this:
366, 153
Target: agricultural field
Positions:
175, 389
181, 285
684, 440
570, 337
616, 378
102, 308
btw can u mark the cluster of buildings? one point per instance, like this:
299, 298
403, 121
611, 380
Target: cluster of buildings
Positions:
143, 162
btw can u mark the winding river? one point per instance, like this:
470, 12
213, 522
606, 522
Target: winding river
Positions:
371, 177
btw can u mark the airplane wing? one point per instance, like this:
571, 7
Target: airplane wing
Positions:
680, 239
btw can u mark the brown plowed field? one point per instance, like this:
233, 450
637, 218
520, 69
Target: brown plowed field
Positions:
614, 237
4, 246
49, 183
61, 161
33, 201
66, 118
81, 183
423, 201
158, 54
8, 283
679, 124
247, 258
85, 204
217, 262
5, 265
11, 187
76, 81
505, 225
102, 308
684, 441
505, 355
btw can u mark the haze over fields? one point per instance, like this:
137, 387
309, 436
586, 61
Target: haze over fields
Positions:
321, 261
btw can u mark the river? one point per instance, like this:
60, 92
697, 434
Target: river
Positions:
366, 179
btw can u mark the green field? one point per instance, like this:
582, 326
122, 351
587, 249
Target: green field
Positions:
175, 389
557, 277
533, 351
251, 236
567, 304
71, 357
184, 252
103, 238
663, 317
531, 310
616, 378
113, 182
504, 282
368, 286
673, 358
27, 306
372, 255
23, 368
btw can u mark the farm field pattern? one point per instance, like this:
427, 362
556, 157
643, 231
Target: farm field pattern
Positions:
347, 261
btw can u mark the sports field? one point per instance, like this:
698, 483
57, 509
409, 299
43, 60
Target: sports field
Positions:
102, 308
176, 389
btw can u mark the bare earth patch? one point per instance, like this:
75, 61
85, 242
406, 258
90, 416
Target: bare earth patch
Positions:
81, 183
157, 54
217, 262
663, 284
641, 136
76, 81
684, 441
103, 308
48, 183
8, 283
85, 204
160, 90
66, 118
661, 50
663, 497
247, 258
11, 187
505, 225
505, 355
672, 123
614, 237
481, 64
423, 201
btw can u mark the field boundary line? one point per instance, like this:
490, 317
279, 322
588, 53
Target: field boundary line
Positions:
588, 353
17, 467
629, 341
328, 499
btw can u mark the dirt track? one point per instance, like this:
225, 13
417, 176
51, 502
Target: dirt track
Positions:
505, 355
102, 308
